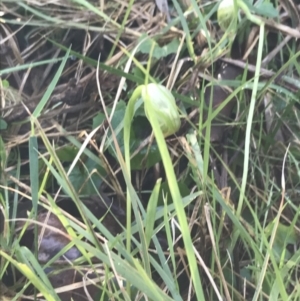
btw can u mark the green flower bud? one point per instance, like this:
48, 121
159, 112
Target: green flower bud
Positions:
226, 13
163, 105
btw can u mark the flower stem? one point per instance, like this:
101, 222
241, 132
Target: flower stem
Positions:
127, 128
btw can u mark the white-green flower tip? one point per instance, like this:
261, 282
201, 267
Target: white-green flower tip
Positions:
163, 105
226, 13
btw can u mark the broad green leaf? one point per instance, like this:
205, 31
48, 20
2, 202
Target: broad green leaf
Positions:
159, 52
3, 124
86, 178
5, 83
284, 235
263, 8
67, 153
148, 155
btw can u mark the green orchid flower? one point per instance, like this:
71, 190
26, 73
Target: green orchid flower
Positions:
163, 105
226, 14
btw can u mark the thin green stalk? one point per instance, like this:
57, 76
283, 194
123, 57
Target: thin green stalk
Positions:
127, 127
250, 119
261, 25
177, 199
121, 29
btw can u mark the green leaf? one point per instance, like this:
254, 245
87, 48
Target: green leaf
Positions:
148, 155
265, 9
98, 120
86, 177
117, 119
67, 153
159, 52
165, 191
3, 124
284, 235
5, 83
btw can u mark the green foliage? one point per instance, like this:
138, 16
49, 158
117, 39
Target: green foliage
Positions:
147, 156
285, 235
211, 217
263, 8
86, 177
3, 124
5, 83
159, 51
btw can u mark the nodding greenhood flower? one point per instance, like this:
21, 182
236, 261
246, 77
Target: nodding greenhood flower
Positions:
163, 105
226, 13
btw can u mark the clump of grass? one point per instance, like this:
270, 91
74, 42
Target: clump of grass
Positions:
204, 221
